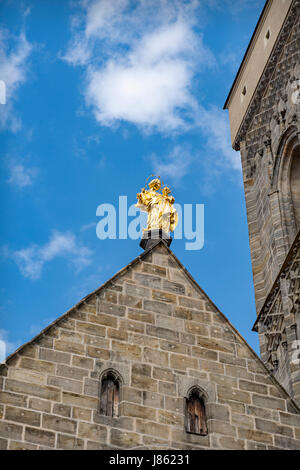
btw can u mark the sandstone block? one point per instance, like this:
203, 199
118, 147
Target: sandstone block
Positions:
153, 356
54, 356
130, 301
124, 439
138, 411
62, 410
84, 362
154, 269
98, 353
79, 400
152, 399
173, 419
22, 415
140, 315
57, 423
162, 333
171, 323
152, 429
89, 328
176, 287
13, 399
82, 414
269, 402
41, 391
71, 372
129, 351
39, 405
39, 366
157, 306
94, 432
39, 436
69, 443
67, 385
148, 280
102, 319
163, 296
179, 361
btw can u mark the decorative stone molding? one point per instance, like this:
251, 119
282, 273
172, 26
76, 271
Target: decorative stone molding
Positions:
277, 320
121, 370
267, 74
186, 384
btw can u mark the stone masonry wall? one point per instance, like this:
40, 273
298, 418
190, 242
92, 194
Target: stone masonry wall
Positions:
159, 330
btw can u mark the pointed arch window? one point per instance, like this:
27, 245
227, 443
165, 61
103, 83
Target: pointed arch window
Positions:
110, 395
196, 422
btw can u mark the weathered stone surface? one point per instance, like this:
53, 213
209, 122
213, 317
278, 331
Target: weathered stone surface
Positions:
93, 432
39, 436
156, 357
10, 431
13, 399
58, 423
21, 415
42, 391
160, 352
124, 439
69, 443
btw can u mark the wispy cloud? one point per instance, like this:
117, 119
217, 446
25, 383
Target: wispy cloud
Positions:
14, 54
20, 176
86, 227
31, 260
174, 166
145, 72
214, 123
235, 7
6, 347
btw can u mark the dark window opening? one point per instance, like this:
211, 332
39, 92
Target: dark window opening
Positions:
195, 414
109, 396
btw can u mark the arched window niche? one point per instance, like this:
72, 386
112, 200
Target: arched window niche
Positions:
110, 390
195, 412
286, 180
295, 184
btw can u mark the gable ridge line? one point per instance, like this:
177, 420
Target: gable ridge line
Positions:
82, 301
196, 285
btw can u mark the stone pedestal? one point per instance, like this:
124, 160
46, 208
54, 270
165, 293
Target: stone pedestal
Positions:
150, 238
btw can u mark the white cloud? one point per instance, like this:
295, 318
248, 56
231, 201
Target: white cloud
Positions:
20, 176
31, 260
6, 347
13, 70
86, 227
237, 6
140, 70
174, 166
214, 123
141, 62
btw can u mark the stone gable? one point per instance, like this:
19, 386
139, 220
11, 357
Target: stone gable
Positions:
154, 326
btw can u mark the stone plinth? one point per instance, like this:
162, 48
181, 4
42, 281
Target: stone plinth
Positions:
150, 238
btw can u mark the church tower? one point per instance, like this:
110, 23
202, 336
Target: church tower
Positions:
264, 111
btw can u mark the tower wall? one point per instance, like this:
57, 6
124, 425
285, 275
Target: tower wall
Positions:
269, 142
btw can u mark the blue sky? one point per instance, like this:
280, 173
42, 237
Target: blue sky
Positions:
99, 95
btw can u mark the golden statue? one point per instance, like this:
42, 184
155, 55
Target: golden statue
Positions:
159, 206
